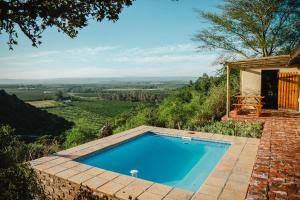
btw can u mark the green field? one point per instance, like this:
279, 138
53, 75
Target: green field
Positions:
38, 92
93, 114
32, 94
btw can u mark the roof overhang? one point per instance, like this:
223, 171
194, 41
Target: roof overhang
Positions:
283, 61
295, 57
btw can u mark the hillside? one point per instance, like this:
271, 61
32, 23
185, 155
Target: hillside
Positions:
27, 120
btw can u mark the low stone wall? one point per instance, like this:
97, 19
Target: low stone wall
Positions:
58, 188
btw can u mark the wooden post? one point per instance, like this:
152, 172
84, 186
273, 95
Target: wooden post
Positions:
228, 92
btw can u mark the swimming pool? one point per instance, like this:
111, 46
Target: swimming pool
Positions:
174, 161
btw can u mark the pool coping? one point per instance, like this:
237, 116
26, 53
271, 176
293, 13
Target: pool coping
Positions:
229, 179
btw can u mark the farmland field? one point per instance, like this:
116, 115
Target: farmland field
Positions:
93, 114
105, 108
90, 106
44, 103
31, 94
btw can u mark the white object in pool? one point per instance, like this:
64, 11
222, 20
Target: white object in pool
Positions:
186, 138
134, 172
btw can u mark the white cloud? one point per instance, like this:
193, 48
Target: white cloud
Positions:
109, 61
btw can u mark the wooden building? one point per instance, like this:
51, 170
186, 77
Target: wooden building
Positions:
275, 78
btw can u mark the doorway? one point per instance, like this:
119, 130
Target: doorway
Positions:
269, 88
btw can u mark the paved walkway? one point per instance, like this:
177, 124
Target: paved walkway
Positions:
276, 173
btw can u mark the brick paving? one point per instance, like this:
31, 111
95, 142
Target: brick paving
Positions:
276, 173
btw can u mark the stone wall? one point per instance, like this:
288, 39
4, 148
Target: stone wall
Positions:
57, 188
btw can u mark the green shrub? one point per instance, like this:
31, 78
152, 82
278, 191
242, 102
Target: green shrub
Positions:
43, 146
174, 113
243, 129
213, 108
18, 180
78, 135
141, 115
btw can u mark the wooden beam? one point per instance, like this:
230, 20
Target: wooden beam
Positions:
228, 91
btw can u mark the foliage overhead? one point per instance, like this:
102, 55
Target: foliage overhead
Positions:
68, 16
252, 28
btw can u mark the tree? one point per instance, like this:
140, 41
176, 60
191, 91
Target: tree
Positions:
68, 16
252, 28
59, 95
174, 112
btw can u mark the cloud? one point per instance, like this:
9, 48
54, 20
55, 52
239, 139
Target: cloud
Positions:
109, 61
91, 51
170, 49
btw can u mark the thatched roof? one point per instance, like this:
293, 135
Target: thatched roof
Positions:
292, 60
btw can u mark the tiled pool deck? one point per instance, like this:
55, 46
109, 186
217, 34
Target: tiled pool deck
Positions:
228, 181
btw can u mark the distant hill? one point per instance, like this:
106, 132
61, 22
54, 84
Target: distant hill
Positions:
27, 120
92, 80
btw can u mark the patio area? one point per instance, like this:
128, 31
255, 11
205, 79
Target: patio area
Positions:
276, 173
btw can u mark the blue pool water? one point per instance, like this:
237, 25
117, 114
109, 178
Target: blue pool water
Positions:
162, 159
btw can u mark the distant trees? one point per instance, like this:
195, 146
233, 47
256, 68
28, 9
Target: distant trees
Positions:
134, 95
252, 28
68, 16
59, 95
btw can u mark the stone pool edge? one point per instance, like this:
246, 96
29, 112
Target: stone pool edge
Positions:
61, 176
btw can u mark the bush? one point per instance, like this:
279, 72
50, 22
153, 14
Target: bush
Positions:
136, 117
43, 146
174, 113
243, 129
213, 108
18, 180
78, 135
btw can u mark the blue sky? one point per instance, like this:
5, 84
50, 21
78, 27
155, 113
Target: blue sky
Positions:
151, 38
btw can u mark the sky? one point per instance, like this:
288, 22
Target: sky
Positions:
152, 38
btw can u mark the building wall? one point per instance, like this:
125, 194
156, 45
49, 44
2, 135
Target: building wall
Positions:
251, 80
